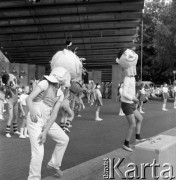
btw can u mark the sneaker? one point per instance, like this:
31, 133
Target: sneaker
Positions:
121, 114
4, 110
17, 132
79, 115
26, 135
66, 129
22, 136
69, 126
127, 148
98, 119
8, 135
1, 117
142, 112
164, 109
139, 140
59, 172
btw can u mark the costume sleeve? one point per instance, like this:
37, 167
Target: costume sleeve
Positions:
43, 85
126, 89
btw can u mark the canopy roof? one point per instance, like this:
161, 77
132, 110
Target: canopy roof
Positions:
32, 32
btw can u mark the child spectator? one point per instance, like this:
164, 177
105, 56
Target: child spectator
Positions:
165, 96
24, 111
98, 102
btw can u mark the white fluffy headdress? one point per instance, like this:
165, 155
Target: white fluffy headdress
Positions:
68, 60
127, 59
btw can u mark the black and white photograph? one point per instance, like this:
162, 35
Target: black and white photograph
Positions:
87, 89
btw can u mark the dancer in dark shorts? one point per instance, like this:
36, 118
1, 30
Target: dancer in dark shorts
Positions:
128, 59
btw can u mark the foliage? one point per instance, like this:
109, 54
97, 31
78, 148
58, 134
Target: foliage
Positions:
159, 33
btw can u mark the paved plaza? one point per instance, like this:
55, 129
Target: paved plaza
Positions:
88, 139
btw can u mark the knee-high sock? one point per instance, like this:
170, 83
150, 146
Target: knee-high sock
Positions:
8, 129
15, 127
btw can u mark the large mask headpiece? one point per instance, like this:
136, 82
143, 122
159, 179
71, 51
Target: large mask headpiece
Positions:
10, 81
68, 60
127, 59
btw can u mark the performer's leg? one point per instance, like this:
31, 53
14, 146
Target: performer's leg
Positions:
61, 138
9, 121
1, 109
164, 104
139, 120
37, 151
15, 125
174, 101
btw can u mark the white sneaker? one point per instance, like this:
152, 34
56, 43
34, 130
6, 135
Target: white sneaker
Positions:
26, 135
16, 132
4, 110
127, 148
59, 172
8, 135
1, 117
98, 119
69, 126
22, 136
121, 114
79, 115
174, 107
142, 112
164, 109
139, 140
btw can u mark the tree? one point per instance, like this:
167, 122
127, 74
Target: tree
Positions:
158, 43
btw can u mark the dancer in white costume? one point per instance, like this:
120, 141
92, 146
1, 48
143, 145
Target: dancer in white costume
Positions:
44, 103
128, 59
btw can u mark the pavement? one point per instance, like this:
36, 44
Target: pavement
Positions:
90, 142
94, 169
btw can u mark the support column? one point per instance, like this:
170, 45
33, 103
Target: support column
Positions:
96, 76
4, 68
31, 72
40, 72
14, 69
23, 73
117, 77
90, 76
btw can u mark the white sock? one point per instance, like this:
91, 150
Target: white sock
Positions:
21, 131
25, 132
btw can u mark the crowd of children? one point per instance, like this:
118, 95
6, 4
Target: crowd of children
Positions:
38, 105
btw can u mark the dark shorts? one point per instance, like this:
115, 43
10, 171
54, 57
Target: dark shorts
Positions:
142, 97
128, 108
97, 102
165, 95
